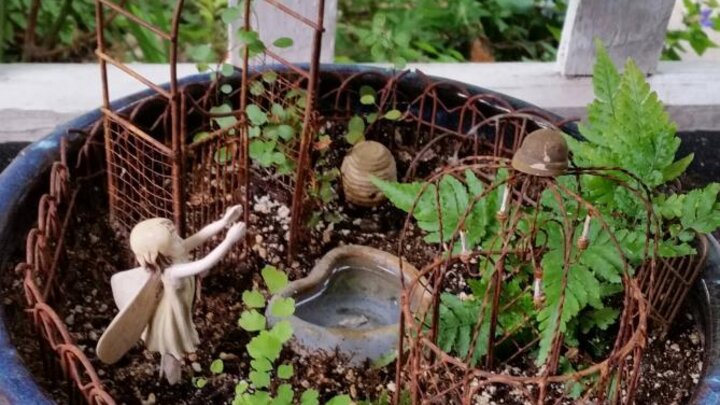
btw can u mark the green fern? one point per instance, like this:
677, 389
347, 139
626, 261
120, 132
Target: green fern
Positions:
698, 210
459, 203
593, 275
628, 126
459, 319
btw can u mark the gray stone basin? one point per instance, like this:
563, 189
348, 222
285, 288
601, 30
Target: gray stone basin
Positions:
350, 301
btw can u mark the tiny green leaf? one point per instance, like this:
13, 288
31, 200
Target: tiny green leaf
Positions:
283, 307
200, 53
275, 279
200, 136
393, 115
356, 124
225, 121
675, 169
261, 364
217, 366
255, 114
286, 132
241, 387
245, 37
264, 345
251, 321
339, 400
202, 66
283, 42
227, 69
367, 95
257, 88
278, 111
260, 379
285, 371
310, 397
253, 299
226, 88
353, 137
263, 152
282, 330
356, 130
284, 395
230, 14
367, 100
258, 397
199, 382
269, 77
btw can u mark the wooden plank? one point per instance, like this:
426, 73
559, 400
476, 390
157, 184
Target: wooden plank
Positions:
35, 97
629, 28
272, 23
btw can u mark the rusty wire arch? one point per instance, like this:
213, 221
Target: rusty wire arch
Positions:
433, 376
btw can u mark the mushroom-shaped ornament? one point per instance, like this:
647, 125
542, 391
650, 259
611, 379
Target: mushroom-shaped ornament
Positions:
544, 153
367, 159
155, 300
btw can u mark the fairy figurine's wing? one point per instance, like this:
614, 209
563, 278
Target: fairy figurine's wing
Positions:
137, 293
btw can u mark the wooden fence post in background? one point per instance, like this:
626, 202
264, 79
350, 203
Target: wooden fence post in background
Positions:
629, 28
272, 24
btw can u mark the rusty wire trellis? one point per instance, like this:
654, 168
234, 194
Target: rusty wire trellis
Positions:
140, 154
156, 168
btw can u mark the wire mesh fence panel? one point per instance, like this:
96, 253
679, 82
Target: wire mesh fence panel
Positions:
140, 174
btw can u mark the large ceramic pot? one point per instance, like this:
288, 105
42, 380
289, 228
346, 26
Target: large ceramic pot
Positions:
22, 181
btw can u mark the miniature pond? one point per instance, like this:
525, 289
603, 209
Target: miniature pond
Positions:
352, 298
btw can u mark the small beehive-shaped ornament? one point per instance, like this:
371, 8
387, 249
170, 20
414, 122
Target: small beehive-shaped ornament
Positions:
544, 153
365, 160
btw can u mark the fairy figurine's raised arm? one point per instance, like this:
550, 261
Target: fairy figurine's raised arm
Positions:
155, 300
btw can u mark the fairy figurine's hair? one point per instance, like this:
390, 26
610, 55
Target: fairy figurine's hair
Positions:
156, 243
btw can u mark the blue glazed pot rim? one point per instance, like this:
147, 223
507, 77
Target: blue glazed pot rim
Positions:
17, 385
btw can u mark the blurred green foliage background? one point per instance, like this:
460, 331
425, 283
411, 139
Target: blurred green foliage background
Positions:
368, 30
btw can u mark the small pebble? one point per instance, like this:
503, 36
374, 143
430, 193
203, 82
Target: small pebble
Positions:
151, 400
228, 356
283, 212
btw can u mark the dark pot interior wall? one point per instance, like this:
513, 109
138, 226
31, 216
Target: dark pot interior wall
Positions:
705, 168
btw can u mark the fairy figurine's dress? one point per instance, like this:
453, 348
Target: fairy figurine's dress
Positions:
155, 300
171, 330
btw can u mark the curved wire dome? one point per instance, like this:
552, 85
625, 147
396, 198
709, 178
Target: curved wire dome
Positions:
535, 254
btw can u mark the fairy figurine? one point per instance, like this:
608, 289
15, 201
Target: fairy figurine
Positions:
155, 300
